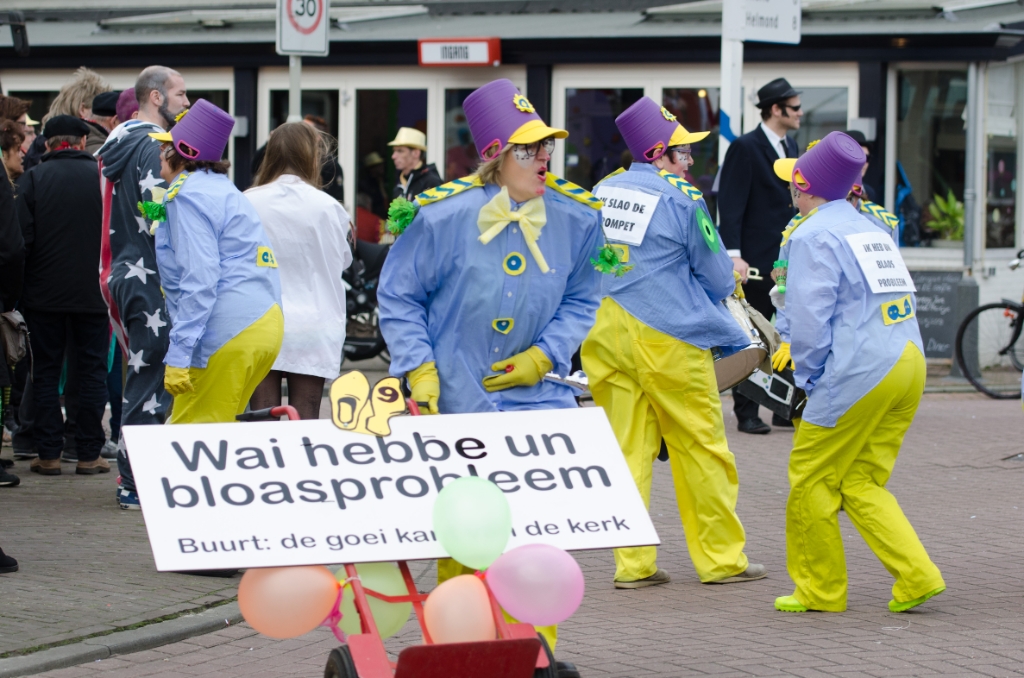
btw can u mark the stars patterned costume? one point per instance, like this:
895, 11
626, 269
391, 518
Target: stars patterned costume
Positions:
130, 174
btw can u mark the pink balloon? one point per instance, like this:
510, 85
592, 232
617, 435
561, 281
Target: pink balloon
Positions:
286, 602
459, 611
537, 583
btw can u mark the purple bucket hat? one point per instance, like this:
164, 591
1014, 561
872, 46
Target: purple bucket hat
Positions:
498, 115
201, 134
647, 129
828, 170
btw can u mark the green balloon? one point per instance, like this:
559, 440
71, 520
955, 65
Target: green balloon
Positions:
383, 578
473, 521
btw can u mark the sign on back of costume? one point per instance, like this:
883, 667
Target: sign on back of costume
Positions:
305, 492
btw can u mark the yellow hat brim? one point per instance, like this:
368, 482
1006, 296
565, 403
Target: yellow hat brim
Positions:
784, 168
162, 136
29, 121
535, 130
681, 137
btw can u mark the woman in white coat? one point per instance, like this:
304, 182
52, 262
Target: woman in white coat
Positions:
309, 232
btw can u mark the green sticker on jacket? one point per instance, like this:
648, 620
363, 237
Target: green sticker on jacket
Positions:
708, 230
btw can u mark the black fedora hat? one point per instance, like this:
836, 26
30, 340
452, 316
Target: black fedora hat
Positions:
775, 91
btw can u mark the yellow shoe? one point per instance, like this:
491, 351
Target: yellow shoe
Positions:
789, 604
903, 607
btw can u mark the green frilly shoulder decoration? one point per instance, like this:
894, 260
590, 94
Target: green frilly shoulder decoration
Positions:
400, 215
153, 211
608, 262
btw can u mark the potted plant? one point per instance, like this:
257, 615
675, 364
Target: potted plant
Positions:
947, 217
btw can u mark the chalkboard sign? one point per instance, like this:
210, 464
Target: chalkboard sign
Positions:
936, 295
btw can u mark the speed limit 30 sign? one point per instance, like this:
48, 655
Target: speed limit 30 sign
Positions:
303, 27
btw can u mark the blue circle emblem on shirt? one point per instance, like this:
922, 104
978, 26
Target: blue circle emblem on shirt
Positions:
514, 264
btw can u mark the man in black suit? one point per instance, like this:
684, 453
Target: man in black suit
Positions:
754, 206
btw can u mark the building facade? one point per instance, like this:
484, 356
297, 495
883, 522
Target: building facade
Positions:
910, 74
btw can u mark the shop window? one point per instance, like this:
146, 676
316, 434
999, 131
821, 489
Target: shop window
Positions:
1001, 158
826, 109
460, 156
379, 114
322, 103
930, 148
595, 148
41, 101
697, 111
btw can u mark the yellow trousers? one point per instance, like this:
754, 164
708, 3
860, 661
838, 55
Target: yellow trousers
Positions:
222, 389
653, 386
448, 568
848, 466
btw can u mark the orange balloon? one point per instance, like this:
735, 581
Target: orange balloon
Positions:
286, 602
459, 611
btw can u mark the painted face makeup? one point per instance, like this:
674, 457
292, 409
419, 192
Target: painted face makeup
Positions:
525, 153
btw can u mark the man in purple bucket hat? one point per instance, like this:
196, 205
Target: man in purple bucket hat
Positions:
218, 271
668, 308
857, 351
490, 285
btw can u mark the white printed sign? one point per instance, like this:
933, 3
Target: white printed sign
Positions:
881, 262
762, 20
305, 492
626, 213
303, 27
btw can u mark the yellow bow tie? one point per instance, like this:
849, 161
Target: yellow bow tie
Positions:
496, 215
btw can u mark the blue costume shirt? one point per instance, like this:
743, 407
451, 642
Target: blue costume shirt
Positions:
839, 341
446, 297
872, 212
216, 266
678, 281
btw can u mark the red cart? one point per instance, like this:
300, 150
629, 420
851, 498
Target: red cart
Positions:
518, 652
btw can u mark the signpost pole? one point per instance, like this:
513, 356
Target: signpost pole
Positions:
294, 88
730, 103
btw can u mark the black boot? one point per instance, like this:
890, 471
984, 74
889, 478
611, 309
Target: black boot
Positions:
7, 564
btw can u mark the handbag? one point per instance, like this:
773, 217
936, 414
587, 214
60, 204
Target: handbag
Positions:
13, 336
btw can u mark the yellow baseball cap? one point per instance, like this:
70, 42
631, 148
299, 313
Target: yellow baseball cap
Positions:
681, 137
413, 138
784, 168
535, 130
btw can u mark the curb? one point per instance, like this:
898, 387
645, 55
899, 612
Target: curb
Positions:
122, 642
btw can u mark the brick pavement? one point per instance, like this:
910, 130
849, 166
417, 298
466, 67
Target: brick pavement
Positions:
965, 502
86, 566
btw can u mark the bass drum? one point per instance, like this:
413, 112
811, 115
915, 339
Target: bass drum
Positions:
732, 367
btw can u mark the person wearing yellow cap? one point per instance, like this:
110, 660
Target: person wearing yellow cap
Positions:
409, 156
490, 286
858, 355
648, 357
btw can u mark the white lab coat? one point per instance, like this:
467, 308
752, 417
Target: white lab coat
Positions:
308, 231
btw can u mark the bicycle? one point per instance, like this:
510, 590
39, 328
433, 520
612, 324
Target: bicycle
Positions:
988, 347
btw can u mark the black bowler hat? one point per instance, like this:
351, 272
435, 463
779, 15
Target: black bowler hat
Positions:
105, 104
65, 126
857, 136
775, 91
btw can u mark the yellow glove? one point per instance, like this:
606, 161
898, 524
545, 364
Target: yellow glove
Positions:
782, 359
528, 368
426, 387
739, 285
176, 381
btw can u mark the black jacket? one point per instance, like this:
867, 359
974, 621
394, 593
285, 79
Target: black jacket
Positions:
420, 180
12, 247
754, 205
61, 213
